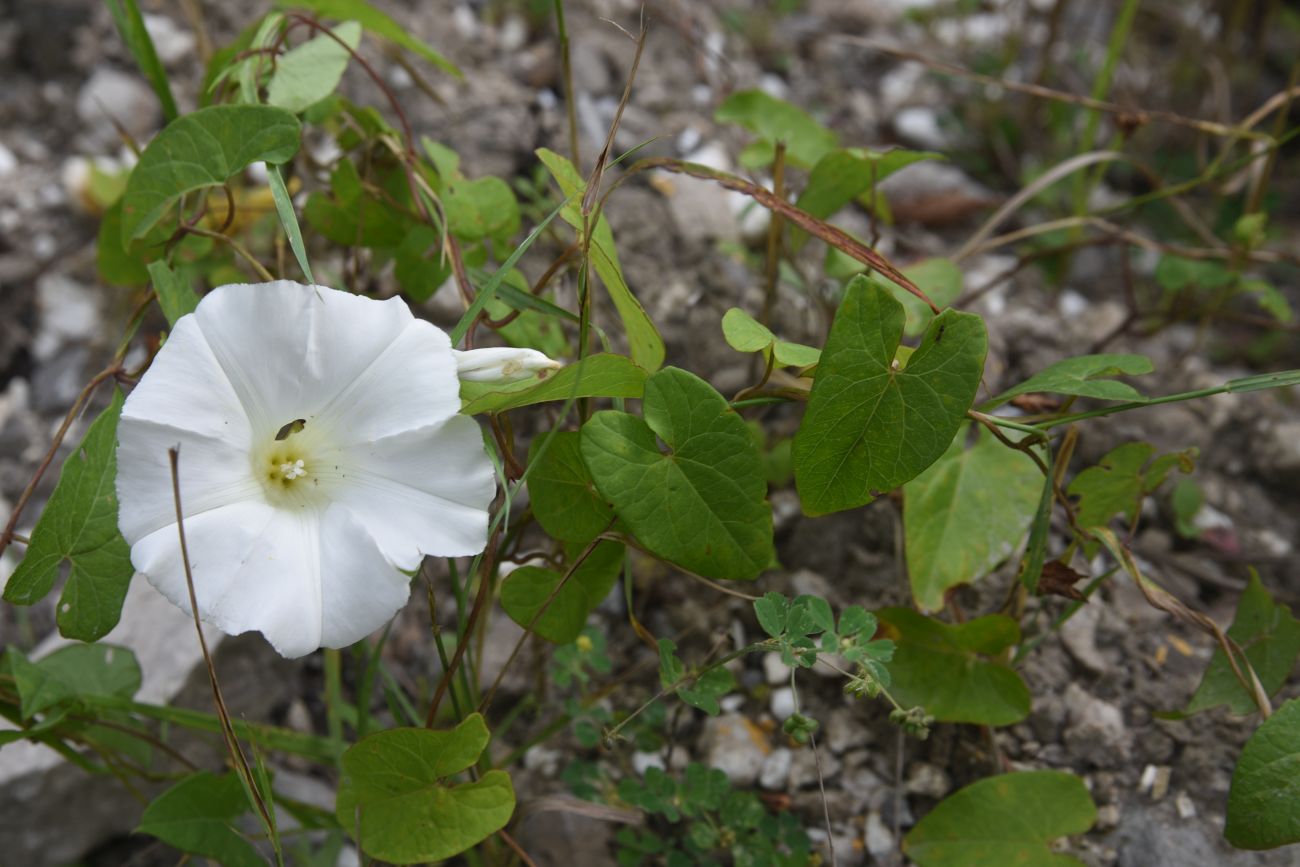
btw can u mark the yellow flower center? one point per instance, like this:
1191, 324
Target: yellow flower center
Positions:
287, 468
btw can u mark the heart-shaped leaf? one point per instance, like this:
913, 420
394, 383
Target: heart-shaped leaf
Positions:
703, 505
203, 149
744, 333
527, 589
394, 799
309, 72
79, 527
563, 495
944, 668
966, 514
872, 426
72, 672
1007, 819
1266, 784
198, 815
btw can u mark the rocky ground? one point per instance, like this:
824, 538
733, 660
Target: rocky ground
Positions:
1161, 786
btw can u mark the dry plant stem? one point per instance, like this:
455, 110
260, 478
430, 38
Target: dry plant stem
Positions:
1116, 233
1162, 599
480, 602
589, 198
528, 630
228, 730
237, 247
146, 737
1206, 126
633, 543
566, 71
516, 848
8, 534
821, 778
832, 235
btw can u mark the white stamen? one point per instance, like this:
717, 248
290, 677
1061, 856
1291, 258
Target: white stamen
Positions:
294, 470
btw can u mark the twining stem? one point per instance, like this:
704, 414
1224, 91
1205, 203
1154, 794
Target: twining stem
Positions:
688, 679
821, 779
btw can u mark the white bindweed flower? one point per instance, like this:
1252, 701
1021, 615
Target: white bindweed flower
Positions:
503, 364
321, 453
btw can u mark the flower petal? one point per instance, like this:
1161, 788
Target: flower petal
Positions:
420, 492
187, 388
360, 589
303, 579
212, 473
411, 385
290, 349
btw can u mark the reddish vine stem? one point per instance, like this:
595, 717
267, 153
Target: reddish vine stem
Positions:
11, 525
480, 600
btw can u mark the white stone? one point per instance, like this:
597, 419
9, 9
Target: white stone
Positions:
8, 162
172, 44
110, 95
1072, 304
513, 34
919, 125
783, 703
927, 780
774, 670
69, 313
644, 761
735, 746
775, 772
879, 839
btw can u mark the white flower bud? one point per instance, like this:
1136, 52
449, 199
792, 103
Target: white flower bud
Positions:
502, 364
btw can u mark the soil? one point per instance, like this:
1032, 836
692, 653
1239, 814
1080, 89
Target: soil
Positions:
1099, 688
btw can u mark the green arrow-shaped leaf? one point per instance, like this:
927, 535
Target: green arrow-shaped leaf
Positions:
1084, 376
943, 668
1270, 635
870, 426
394, 800
526, 590
564, 497
308, 73
203, 149
79, 526
72, 672
197, 815
1262, 810
1008, 819
965, 515
1121, 479
702, 506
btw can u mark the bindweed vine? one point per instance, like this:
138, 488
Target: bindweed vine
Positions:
289, 456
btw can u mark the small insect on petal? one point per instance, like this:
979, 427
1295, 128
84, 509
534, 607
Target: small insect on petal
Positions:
291, 428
